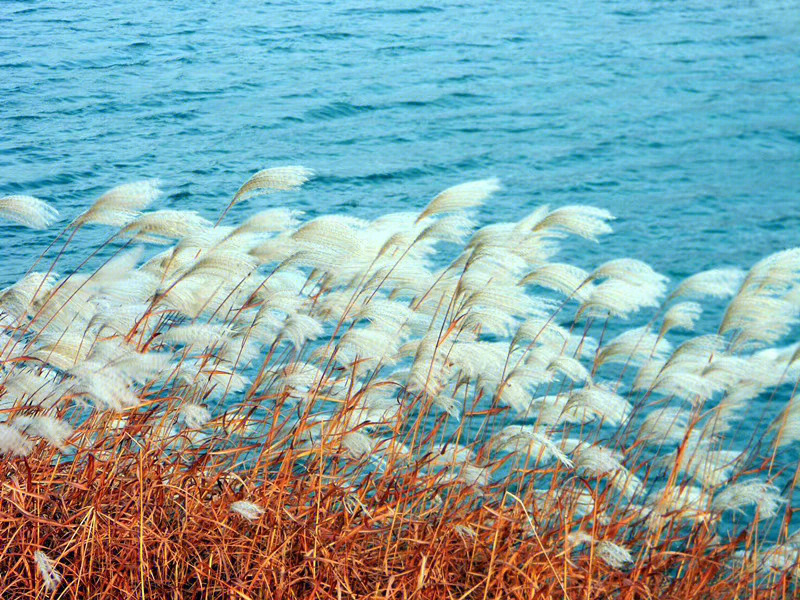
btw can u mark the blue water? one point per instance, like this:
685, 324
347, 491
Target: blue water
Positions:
682, 118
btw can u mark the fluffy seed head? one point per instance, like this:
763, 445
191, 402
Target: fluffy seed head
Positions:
28, 211
274, 179
249, 510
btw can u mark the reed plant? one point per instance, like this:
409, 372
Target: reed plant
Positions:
413, 406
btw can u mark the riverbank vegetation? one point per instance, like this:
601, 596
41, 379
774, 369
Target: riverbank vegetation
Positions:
414, 406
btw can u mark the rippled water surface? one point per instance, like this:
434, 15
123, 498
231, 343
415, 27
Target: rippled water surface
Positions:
682, 118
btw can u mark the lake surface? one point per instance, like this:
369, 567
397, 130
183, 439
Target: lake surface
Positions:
681, 118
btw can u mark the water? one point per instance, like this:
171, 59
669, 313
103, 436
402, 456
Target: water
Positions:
681, 118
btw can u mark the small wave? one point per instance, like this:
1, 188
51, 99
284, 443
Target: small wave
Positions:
336, 110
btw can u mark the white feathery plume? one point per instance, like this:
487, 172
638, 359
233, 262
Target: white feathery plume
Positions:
334, 231
162, 225
464, 195
52, 429
779, 559
585, 221
300, 377
578, 501
632, 271
241, 243
369, 344
737, 400
579, 538
581, 346
787, 424
121, 205
104, 385
249, 510
117, 268
67, 306
447, 403
687, 361
51, 577
524, 439
544, 332
429, 372
335, 306
695, 354
488, 266
494, 235
571, 368
765, 496
538, 248
287, 302
36, 388
450, 228
226, 265
275, 250
567, 279
269, 221
665, 425
611, 407
489, 321
190, 296
298, 329
758, 318
200, 335
266, 327
711, 468
776, 274
684, 502
613, 554
682, 315
274, 179
537, 362
216, 380
634, 346
17, 299
65, 352
599, 461
691, 387
456, 461
552, 410
514, 392
13, 442
717, 283
194, 415
358, 445
28, 211
373, 408
479, 359
385, 314
727, 371
526, 224
509, 299
617, 298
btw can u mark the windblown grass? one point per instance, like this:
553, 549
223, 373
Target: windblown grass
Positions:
409, 407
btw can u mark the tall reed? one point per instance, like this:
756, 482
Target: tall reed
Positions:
412, 406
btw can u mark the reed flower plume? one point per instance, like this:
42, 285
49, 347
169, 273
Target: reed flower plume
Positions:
121, 205
272, 180
28, 211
